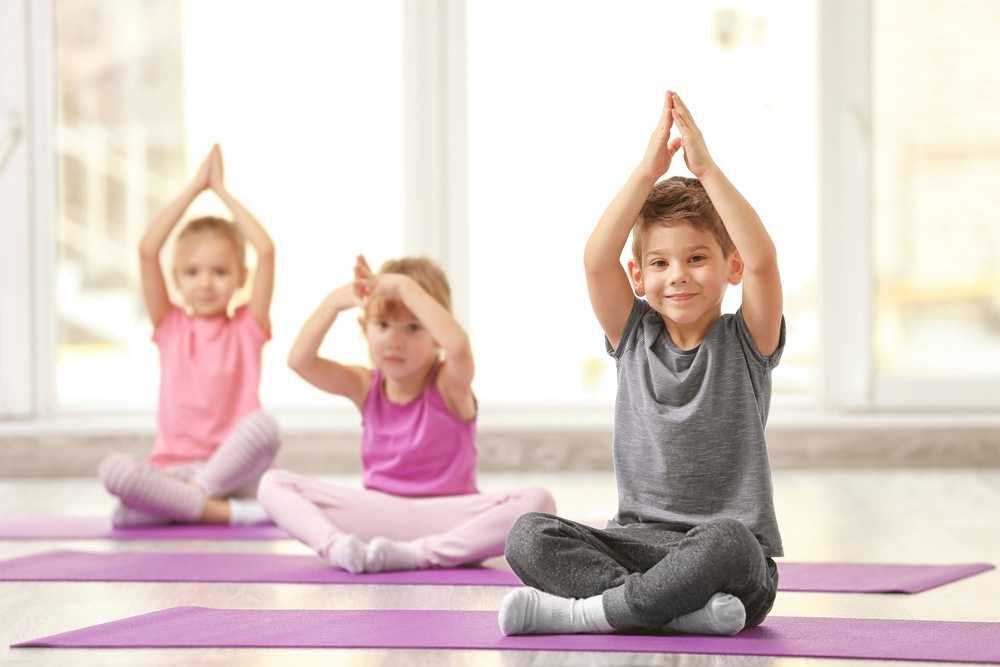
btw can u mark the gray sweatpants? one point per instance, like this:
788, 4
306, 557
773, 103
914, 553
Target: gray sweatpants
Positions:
648, 573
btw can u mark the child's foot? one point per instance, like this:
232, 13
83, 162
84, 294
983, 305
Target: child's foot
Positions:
348, 553
130, 517
722, 615
385, 555
527, 611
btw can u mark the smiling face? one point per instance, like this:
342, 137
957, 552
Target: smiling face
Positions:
207, 272
400, 346
683, 273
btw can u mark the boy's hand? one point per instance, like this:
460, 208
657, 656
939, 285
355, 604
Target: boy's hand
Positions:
661, 148
216, 175
696, 156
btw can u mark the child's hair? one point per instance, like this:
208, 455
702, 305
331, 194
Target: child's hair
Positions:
221, 227
425, 272
678, 201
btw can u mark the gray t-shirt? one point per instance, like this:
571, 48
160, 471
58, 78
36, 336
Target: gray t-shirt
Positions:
689, 427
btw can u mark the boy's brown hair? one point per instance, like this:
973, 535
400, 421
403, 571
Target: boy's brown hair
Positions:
678, 201
221, 227
425, 272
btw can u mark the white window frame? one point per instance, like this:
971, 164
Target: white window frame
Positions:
435, 195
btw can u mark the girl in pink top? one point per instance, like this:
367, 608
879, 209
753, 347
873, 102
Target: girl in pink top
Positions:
213, 442
420, 507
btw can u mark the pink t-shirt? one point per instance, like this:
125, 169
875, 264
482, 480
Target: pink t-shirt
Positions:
416, 449
209, 380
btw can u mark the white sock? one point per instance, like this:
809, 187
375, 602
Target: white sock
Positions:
125, 517
385, 555
722, 615
243, 512
348, 553
527, 611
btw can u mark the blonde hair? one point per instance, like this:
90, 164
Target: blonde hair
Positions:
424, 272
678, 201
219, 227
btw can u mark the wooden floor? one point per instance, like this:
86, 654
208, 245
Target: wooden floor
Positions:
873, 516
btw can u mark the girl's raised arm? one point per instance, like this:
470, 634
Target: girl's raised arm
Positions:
154, 287
263, 282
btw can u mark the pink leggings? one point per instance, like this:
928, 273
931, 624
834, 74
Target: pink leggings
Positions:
450, 530
232, 470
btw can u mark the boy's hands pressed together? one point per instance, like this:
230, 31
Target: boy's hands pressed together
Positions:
696, 156
661, 148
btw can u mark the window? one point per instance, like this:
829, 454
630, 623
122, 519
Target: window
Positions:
562, 99
305, 101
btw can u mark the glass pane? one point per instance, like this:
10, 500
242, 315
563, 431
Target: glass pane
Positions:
936, 199
556, 125
304, 98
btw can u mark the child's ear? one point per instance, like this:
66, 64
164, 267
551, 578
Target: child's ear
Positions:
243, 276
735, 268
635, 276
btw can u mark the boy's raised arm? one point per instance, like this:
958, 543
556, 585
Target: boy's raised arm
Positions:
154, 287
762, 293
607, 282
304, 359
263, 282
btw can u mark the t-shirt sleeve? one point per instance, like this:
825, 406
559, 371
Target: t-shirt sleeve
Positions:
249, 325
639, 308
750, 350
169, 326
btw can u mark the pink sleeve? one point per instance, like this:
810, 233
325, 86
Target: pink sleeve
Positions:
169, 325
248, 324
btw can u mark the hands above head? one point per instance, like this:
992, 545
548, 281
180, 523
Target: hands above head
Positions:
661, 148
216, 180
367, 284
696, 156
200, 182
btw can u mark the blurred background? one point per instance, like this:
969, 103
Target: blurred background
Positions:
491, 136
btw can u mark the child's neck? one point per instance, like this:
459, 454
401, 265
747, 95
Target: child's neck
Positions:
689, 336
405, 389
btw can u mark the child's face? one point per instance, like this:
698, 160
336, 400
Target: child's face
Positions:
207, 273
400, 345
682, 260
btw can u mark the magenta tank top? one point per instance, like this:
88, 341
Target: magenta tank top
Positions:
416, 449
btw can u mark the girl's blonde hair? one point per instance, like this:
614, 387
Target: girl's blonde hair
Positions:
221, 227
425, 272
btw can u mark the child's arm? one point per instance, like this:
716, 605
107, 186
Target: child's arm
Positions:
154, 287
458, 369
607, 282
762, 296
304, 359
263, 282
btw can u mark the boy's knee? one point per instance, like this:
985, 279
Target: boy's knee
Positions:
524, 537
730, 537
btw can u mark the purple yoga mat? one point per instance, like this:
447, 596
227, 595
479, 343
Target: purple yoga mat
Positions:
277, 568
227, 567
287, 628
100, 528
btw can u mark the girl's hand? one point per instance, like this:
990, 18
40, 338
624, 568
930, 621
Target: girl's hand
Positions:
215, 172
200, 181
661, 148
368, 285
696, 156
344, 298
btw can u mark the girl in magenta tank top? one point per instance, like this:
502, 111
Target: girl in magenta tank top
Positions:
420, 506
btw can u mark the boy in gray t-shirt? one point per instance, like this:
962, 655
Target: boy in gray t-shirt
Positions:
691, 547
